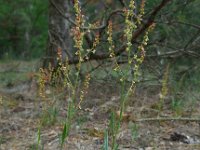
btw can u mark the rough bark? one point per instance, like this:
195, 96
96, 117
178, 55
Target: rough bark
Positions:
59, 31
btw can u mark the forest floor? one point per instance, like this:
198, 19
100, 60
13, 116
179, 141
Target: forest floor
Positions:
22, 112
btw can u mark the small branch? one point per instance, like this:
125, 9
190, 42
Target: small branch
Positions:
188, 24
150, 20
176, 53
167, 119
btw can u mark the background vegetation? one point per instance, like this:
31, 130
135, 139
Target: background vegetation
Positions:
24, 26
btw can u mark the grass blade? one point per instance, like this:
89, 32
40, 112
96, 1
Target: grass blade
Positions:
64, 135
105, 145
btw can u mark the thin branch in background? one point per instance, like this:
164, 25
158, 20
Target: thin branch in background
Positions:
192, 40
167, 119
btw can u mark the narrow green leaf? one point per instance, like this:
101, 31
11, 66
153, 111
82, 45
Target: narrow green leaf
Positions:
38, 138
105, 145
64, 135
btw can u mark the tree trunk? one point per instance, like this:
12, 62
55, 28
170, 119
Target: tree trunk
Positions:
59, 32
